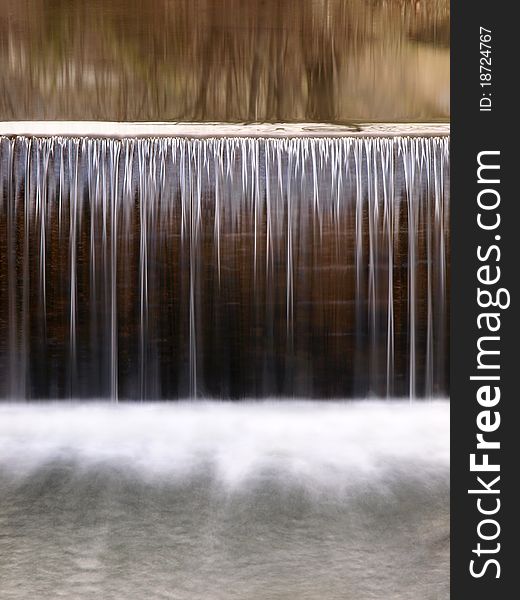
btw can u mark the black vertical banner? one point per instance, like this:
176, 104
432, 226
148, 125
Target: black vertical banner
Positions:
485, 356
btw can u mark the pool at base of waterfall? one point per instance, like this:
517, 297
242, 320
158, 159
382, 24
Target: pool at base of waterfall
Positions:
223, 501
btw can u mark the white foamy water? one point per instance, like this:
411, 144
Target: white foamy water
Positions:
221, 501
331, 444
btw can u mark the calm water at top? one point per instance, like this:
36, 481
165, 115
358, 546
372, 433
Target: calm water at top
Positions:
225, 60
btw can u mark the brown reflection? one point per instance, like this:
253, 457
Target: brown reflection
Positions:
225, 60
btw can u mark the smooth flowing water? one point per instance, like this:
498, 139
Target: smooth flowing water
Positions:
266, 501
228, 268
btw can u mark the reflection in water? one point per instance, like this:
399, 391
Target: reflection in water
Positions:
225, 60
273, 501
162, 268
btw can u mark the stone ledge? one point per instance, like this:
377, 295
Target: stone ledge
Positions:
217, 130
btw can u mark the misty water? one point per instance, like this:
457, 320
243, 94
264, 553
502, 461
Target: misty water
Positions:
225, 501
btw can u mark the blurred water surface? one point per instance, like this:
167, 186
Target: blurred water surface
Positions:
266, 501
225, 60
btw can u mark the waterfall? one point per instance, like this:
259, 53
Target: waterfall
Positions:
228, 268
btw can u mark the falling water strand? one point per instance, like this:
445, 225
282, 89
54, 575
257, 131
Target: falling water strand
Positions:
429, 257
143, 266
359, 282
73, 217
410, 158
373, 239
9, 209
114, 188
387, 171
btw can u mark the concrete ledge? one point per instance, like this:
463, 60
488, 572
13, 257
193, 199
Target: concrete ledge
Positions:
213, 130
